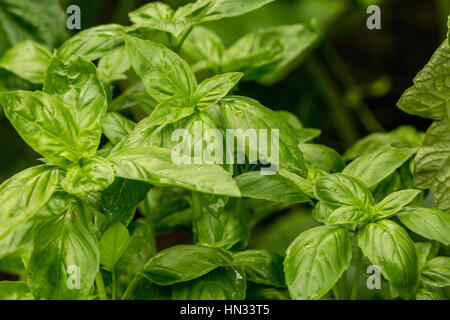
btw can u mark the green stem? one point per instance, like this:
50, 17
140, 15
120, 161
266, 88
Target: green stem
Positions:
355, 285
337, 295
100, 286
343, 285
341, 114
132, 285
365, 115
113, 284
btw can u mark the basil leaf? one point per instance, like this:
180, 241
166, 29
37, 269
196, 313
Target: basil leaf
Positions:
15, 290
338, 190
436, 272
246, 113
44, 21
261, 266
134, 95
424, 294
375, 167
430, 223
114, 65
154, 165
432, 162
22, 195
65, 260
220, 9
321, 157
225, 231
423, 251
112, 245
403, 136
226, 283
307, 252
44, 123
297, 41
350, 214
160, 16
164, 73
93, 43
388, 246
270, 187
211, 90
430, 94
116, 127
91, 175
120, 199
169, 266
394, 202
77, 84
171, 110
28, 60
204, 46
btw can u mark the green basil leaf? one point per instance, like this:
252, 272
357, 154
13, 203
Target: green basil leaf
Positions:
297, 41
154, 165
65, 261
423, 251
321, 212
322, 157
114, 65
171, 110
184, 262
22, 195
225, 231
424, 294
160, 16
220, 9
430, 223
375, 167
112, 245
403, 136
93, 43
351, 215
245, 113
91, 175
394, 202
120, 199
44, 123
262, 292
19, 240
338, 190
430, 94
28, 60
270, 187
211, 90
261, 266
388, 246
15, 290
226, 283
77, 84
436, 272
116, 127
164, 73
432, 162
134, 95
307, 252
203, 45
44, 21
